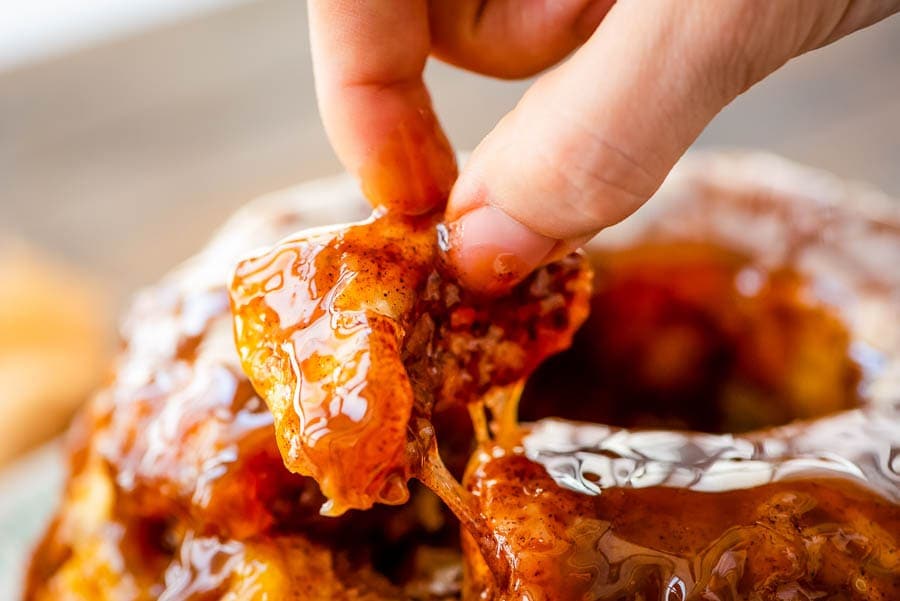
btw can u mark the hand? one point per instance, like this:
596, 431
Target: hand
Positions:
587, 144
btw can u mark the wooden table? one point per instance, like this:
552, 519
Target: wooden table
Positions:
124, 157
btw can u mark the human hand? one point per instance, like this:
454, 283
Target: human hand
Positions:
588, 143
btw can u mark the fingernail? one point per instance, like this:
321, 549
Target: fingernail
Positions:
566, 247
490, 251
414, 168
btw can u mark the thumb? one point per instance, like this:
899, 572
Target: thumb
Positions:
593, 139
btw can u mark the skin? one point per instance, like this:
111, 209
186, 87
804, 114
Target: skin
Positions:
593, 138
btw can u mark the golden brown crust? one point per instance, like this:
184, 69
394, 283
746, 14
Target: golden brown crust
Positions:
354, 337
177, 488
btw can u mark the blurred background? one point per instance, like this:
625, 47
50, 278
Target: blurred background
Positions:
130, 130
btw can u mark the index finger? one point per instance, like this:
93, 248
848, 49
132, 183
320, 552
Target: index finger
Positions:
368, 58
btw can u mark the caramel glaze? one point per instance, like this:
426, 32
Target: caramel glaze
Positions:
177, 488
805, 539
354, 338
672, 321
730, 309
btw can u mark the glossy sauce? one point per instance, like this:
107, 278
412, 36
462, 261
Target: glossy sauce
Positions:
588, 511
811, 538
784, 301
319, 323
177, 488
354, 338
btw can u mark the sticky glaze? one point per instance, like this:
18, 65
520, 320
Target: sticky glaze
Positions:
177, 457
354, 337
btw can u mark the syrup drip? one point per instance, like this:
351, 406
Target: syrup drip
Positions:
501, 429
439, 480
